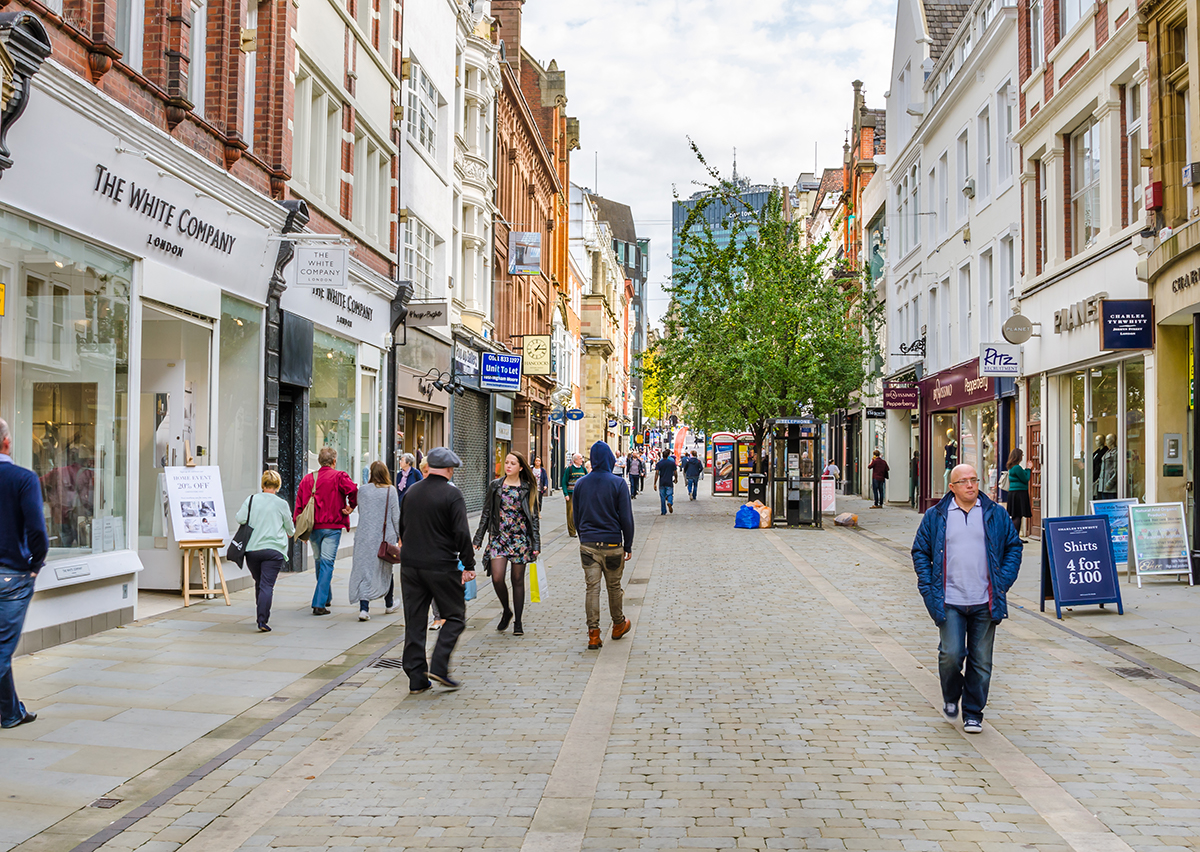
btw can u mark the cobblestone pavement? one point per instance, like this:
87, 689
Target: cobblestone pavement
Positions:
778, 691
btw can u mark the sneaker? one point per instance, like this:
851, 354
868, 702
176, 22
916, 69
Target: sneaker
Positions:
363, 615
950, 710
417, 690
264, 628
320, 610
391, 609
446, 681
973, 726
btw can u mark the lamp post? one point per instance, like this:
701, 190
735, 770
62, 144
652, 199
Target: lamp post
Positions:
399, 312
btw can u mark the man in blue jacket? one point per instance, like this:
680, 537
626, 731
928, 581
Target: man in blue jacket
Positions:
604, 520
966, 555
23, 549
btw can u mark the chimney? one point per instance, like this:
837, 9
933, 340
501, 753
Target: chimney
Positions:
508, 19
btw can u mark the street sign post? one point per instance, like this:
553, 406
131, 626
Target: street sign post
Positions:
1077, 563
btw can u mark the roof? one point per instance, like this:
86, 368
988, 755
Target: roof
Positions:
831, 184
618, 216
942, 17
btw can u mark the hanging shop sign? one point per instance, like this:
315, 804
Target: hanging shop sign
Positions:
575, 414
1077, 563
524, 253
875, 413
500, 371
999, 359
1017, 329
322, 266
196, 503
536, 349
1127, 324
466, 360
957, 387
1158, 535
1117, 512
428, 314
558, 416
901, 397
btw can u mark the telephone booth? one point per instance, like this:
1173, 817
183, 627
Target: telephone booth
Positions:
796, 463
742, 464
723, 445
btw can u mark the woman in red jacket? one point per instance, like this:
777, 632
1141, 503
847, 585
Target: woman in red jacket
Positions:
337, 495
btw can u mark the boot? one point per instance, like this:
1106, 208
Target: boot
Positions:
594, 640
620, 630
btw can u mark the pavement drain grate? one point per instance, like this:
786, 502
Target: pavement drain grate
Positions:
388, 663
1135, 673
105, 802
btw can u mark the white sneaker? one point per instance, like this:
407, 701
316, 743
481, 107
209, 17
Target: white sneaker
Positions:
363, 615
391, 609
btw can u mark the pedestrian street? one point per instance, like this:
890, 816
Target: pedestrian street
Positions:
778, 690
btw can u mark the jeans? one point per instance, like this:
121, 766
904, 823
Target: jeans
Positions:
16, 590
607, 561
325, 547
666, 494
635, 482
878, 486
692, 487
967, 636
264, 566
388, 600
420, 587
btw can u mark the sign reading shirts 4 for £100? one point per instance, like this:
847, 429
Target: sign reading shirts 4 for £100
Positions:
500, 371
1077, 560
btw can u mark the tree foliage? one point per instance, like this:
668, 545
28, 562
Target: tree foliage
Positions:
758, 326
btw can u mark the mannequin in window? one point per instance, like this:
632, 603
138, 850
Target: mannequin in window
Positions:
1106, 485
1098, 453
951, 457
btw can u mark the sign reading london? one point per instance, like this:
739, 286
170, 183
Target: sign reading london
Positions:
322, 266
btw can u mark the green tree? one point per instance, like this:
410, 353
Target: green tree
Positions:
655, 404
758, 326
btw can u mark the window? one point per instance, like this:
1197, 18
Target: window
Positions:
1133, 133
943, 195
423, 103
933, 343
914, 231
987, 298
934, 218
901, 219
1036, 42
1085, 187
1008, 278
1072, 10
130, 26
197, 70
317, 138
1004, 129
250, 80
966, 313
964, 160
1041, 250
372, 177
418, 256
985, 154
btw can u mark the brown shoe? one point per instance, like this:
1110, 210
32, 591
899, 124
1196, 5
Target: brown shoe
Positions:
594, 640
620, 630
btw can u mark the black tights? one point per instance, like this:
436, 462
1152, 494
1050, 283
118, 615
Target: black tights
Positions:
496, 568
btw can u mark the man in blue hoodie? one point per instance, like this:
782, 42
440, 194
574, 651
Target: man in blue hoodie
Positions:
604, 521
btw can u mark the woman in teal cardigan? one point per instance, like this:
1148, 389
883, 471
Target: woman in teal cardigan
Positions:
1018, 489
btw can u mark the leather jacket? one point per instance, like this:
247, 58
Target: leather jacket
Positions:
489, 521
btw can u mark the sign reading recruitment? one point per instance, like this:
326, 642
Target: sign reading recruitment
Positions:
1117, 512
1158, 535
1077, 561
500, 371
196, 503
999, 359
1127, 324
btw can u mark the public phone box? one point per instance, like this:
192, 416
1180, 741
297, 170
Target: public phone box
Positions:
795, 488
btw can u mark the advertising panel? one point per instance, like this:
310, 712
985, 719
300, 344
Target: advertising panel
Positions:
901, 397
1158, 535
1117, 512
536, 351
999, 359
722, 446
524, 253
196, 503
1077, 560
500, 371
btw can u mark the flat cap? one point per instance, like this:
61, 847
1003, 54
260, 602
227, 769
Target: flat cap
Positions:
443, 457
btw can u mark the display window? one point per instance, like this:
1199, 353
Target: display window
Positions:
332, 402
64, 379
977, 425
944, 452
239, 424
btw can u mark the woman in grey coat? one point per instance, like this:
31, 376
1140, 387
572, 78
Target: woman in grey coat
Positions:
378, 518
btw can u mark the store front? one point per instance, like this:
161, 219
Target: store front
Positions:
958, 426
472, 428
421, 409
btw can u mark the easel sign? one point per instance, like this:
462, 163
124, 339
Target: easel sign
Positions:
1159, 539
197, 504
1077, 563
1117, 512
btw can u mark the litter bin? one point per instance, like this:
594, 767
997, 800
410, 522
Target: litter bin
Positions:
757, 488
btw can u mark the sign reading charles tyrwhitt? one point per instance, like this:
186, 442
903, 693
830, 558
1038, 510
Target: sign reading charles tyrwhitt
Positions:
536, 349
1077, 563
1127, 324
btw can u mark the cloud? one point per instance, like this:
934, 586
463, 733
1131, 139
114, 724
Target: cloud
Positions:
768, 77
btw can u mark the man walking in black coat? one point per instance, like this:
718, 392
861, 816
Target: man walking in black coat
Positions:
435, 537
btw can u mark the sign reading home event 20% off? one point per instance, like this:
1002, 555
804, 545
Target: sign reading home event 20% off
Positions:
500, 371
1077, 561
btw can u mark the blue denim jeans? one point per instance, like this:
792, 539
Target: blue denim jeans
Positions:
878, 490
967, 636
16, 590
325, 547
666, 494
692, 482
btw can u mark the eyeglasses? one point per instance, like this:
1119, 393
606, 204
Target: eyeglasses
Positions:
966, 482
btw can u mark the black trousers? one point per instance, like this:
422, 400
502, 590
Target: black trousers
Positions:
264, 566
420, 587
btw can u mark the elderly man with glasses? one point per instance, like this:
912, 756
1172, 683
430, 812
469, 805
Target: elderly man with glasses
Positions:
966, 555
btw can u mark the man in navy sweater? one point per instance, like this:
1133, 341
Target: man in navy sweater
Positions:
604, 521
23, 549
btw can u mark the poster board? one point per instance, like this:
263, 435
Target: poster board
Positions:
196, 503
723, 466
828, 495
1077, 563
1158, 536
1117, 512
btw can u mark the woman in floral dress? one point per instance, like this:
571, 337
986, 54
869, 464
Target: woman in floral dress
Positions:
510, 518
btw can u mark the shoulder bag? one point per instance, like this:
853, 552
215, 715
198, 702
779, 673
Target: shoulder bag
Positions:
389, 553
237, 548
306, 520
1004, 481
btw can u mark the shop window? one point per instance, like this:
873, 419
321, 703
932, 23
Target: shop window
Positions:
368, 423
331, 402
1135, 429
977, 444
1085, 186
64, 379
239, 403
944, 452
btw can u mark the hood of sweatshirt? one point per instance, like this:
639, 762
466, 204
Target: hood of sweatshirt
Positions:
602, 457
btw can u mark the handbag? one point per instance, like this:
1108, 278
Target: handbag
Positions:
389, 553
1004, 481
237, 548
306, 520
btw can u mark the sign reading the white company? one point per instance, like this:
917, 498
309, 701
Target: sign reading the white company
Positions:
322, 266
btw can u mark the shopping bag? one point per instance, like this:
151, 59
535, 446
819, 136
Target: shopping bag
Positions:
470, 591
537, 582
747, 518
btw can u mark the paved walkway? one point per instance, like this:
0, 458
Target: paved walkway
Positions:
776, 692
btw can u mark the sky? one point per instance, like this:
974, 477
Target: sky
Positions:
771, 78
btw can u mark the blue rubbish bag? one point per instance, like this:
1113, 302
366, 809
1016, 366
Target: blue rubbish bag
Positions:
747, 518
